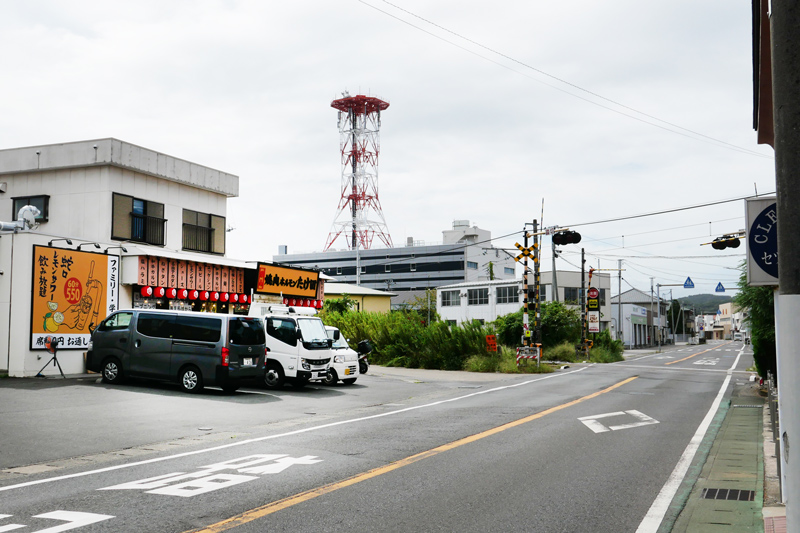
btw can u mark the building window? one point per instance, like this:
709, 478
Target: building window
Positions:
413, 267
339, 270
571, 295
509, 271
602, 297
507, 295
138, 220
363, 270
472, 265
42, 203
387, 268
478, 296
203, 232
451, 298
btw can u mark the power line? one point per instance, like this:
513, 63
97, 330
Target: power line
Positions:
698, 136
666, 211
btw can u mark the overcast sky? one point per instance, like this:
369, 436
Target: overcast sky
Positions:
602, 109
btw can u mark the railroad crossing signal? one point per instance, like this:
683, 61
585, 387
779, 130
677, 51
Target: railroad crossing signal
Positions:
526, 252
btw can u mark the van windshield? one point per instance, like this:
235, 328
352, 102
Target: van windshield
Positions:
312, 329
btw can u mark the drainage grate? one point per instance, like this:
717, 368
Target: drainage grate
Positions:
749, 405
729, 494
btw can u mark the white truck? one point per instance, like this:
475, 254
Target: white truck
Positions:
344, 366
298, 348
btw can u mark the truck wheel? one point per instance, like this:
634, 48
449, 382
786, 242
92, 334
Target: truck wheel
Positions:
349, 381
190, 380
331, 378
273, 377
112, 371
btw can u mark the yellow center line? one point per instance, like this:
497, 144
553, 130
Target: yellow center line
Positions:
260, 512
698, 353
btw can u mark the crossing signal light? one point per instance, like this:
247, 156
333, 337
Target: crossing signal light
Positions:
726, 241
566, 237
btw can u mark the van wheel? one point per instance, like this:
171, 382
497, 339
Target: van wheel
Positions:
273, 377
349, 381
190, 379
330, 378
112, 371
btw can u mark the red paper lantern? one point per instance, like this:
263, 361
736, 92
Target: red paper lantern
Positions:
159, 292
294, 301
193, 295
319, 304
224, 296
146, 292
204, 295
234, 297
183, 294
214, 296
243, 298
172, 293
286, 301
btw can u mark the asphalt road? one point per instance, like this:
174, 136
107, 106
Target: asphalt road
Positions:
589, 448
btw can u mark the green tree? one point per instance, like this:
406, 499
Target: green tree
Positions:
425, 306
339, 305
759, 303
560, 323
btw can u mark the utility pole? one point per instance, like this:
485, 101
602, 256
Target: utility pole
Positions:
619, 302
583, 302
784, 21
555, 276
537, 320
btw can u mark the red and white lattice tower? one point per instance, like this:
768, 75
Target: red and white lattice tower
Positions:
359, 217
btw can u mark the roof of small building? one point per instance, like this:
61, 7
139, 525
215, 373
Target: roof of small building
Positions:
333, 288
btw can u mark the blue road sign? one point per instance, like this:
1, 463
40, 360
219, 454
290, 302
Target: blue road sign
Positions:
688, 284
719, 288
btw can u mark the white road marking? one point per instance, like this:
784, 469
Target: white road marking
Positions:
710, 362
209, 477
74, 520
592, 423
655, 515
287, 434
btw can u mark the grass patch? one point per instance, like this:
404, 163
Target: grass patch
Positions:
563, 352
600, 354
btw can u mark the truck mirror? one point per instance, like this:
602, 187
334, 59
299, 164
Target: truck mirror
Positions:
330, 343
299, 334
336, 335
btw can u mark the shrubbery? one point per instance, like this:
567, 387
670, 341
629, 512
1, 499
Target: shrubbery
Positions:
401, 339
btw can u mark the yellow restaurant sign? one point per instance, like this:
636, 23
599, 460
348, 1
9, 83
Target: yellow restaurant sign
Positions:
72, 290
287, 281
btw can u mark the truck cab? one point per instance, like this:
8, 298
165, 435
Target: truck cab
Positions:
344, 365
298, 348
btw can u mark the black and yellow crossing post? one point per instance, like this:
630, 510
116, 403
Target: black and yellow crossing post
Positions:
531, 337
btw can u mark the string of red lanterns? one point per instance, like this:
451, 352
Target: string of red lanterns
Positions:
184, 294
301, 302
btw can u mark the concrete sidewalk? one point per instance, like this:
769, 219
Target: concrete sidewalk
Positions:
729, 494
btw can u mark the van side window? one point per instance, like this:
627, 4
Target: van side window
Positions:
195, 328
246, 331
282, 329
155, 325
117, 322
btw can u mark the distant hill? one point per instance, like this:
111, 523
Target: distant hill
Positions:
706, 304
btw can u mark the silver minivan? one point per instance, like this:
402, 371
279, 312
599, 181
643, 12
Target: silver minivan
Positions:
194, 349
